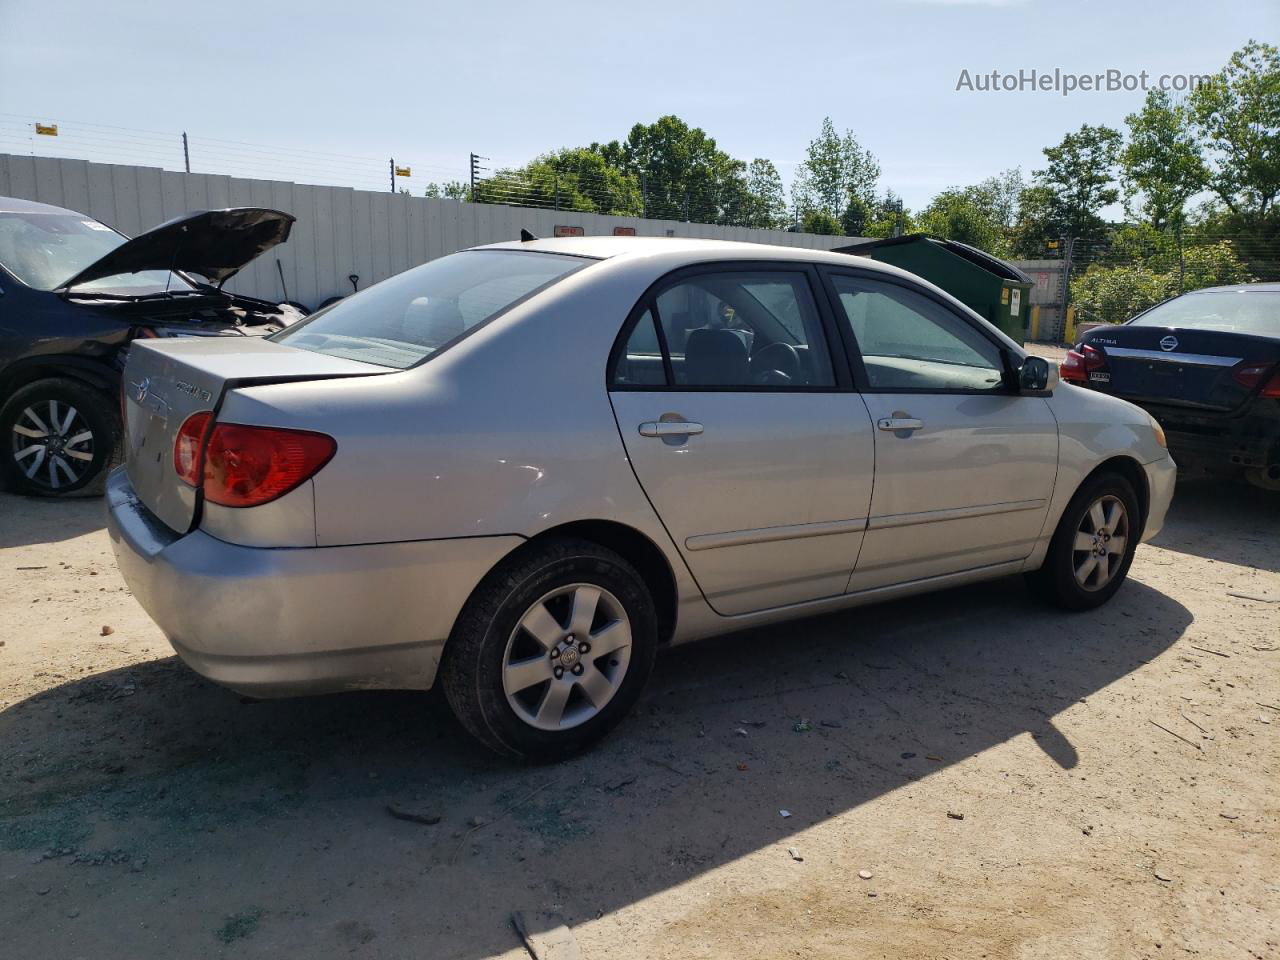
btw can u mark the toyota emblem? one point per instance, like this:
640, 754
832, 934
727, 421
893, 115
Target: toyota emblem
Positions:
141, 389
1169, 343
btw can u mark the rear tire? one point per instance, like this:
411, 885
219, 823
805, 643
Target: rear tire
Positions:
57, 438
1087, 559
515, 671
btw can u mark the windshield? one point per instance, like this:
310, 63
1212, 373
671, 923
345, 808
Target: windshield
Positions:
403, 320
45, 250
1254, 312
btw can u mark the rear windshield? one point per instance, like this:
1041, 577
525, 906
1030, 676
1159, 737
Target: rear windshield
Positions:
403, 320
1255, 312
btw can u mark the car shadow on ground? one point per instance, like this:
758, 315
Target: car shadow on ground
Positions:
39, 520
1224, 520
180, 788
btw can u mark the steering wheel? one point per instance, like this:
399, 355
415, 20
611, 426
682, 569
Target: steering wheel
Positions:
776, 364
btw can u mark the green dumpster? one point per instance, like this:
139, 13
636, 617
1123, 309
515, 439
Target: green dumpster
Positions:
996, 290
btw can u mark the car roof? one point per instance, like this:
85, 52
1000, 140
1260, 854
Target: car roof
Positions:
696, 249
14, 205
1239, 288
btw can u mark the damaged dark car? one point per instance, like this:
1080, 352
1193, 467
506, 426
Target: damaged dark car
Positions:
1206, 365
74, 293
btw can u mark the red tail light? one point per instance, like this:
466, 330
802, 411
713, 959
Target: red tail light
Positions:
1249, 375
1080, 362
188, 446
243, 466
246, 466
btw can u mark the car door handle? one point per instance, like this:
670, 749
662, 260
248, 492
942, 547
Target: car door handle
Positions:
669, 428
894, 424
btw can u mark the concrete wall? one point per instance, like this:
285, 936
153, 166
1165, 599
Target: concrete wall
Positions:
339, 231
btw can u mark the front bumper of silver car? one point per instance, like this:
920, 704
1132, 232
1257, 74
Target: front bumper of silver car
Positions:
277, 622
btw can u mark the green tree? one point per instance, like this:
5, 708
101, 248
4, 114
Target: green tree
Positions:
836, 167
1080, 177
573, 178
1000, 195
684, 174
889, 218
1162, 165
965, 216
766, 199
819, 221
1038, 223
1238, 111
449, 190
856, 217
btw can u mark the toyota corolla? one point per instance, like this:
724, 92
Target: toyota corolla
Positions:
520, 470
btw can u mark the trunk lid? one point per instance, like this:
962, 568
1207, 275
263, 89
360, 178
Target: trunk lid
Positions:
165, 382
1177, 366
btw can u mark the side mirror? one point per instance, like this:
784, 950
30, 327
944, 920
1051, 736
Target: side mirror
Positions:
1035, 375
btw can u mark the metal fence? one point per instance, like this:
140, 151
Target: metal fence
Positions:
340, 234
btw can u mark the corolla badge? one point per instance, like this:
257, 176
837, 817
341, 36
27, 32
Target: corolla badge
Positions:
1169, 343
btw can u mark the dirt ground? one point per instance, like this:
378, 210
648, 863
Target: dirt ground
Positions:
995, 767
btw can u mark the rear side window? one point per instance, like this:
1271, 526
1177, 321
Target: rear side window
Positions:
732, 330
405, 319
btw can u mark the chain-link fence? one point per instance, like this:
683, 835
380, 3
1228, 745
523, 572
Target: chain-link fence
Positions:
1110, 279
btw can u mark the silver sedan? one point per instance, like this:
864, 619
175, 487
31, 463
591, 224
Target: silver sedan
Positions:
522, 469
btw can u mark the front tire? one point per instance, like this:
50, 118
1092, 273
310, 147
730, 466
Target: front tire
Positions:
551, 651
57, 438
1090, 553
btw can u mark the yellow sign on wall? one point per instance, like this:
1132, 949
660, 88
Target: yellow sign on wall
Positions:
47, 129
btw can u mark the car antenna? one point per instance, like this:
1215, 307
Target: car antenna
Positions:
526, 236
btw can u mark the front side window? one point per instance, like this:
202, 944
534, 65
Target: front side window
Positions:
910, 342
406, 318
736, 330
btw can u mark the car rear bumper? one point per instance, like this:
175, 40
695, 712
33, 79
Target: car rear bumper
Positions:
276, 622
1215, 441
1161, 474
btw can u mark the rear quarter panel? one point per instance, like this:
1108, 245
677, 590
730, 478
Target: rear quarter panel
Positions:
508, 432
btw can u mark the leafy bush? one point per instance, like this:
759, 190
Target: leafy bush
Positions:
1113, 294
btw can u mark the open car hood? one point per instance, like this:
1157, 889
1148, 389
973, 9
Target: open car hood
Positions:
212, 243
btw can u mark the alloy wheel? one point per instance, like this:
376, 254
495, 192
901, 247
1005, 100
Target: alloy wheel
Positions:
52, 444
1100, 543
567, 657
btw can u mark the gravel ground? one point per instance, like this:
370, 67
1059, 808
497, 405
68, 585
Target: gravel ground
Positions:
966, 775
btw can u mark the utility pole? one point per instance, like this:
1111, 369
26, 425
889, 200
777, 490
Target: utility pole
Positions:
393, 174
1182, 265
186, 152
475, 173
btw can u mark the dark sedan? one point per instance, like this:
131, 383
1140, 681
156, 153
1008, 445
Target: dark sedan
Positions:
1206, 365
74, 293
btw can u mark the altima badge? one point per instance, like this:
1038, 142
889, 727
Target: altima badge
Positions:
1169, 343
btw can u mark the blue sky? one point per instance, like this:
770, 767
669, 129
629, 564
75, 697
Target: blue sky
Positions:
268, 88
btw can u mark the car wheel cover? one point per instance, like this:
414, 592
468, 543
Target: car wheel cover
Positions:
52, 444
1099, 544
567, 657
